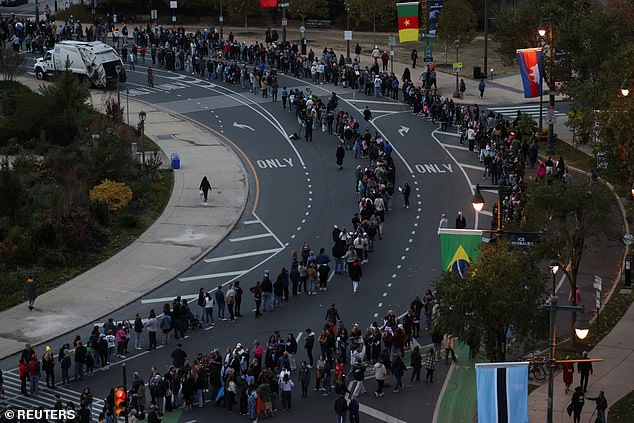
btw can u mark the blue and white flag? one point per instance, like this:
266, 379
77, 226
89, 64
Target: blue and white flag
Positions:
502, 392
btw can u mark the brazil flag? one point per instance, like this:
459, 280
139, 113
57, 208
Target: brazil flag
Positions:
459, 249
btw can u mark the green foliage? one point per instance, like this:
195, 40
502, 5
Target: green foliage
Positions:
502, 292
304, 9
366, 13
10, 63
571, 215
243, 8
457, 22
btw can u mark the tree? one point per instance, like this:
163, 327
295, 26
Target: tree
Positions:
304, 9
10, 63
372, 13
501, 295
243, 8
457, 22
572, 216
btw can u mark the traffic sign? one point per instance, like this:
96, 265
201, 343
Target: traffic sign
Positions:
628, 239
428, 60
347, 35
173, 4
391, 41
284, 21
427, 51
153, 14
173, 18
457, 67
221, 18
283, 4
302, 29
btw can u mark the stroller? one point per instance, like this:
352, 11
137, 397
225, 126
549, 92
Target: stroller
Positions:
193, 322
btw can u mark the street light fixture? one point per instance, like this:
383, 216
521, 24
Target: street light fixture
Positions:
582, 327
551, 80
477, 201
625, 88
142, 116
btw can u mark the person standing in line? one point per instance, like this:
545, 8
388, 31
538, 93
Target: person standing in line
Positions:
31, 291
417, 364
286, 386
585, 368
367, 117
230, 300
201, 303
48, 365
205, 187
398, 370
219, 296
208, 317
380, 373
34, 374
568, 374
430, 365
341, 408
406, 191
414, 58
340, 154
152, 327
461, 222
309, 343
138, 331
355, 273
450, 344
238, 298
353, 410
257, 297
602, 405
23, 371
304, 378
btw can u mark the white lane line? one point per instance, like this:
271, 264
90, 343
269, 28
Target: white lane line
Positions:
469, 166
385, 294
451, 134
212, 276
241, 255
250, 222
398, 266
379, 415
389, 285
457, 147
380, 304
168, 299
299, 336
376, 314
332, 274
250, 237
393, 276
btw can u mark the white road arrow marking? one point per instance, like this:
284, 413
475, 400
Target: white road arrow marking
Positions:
404, 130
242, 126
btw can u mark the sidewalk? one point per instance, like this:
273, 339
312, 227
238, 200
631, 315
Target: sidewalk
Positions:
183, 234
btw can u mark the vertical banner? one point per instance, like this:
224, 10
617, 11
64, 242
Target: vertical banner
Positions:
435, 6
407, 14
459, 249
530, 61
502, 390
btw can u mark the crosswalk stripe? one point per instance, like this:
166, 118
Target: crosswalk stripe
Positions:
46, 399
532, 110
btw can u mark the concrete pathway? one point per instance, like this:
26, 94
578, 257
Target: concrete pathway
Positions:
183, 234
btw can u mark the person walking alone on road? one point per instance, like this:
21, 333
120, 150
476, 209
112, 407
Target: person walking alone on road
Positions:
340, 154
481, 86
585, 368
205, 187
406, 190
355, 273
414, 58
577, 403
309, 343
341, 408
150, 76
367, 117
430, 365
380, 373
31, 290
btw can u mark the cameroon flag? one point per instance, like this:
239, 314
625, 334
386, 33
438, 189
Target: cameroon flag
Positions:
459, 249
407, 21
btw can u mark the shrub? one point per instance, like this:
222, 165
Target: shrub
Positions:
115, 194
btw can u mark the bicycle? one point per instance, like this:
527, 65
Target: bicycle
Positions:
536, 366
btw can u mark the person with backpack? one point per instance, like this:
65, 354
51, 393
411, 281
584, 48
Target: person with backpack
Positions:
481, 86
219, 296
602, 405
166, 327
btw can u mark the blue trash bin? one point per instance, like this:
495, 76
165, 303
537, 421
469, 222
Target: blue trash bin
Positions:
176, 161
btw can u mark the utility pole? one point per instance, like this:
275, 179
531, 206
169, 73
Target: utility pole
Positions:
221, 19
486, 36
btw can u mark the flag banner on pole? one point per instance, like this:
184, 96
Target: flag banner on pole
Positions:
268, 3
530, 61
502, 391
459, 249
407, 21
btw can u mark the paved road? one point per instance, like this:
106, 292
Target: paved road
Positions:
301, 195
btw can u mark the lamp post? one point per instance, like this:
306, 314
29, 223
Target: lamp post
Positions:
142, 116
582, 327
37, 13
486, 34
477, 201
551, 80
456, 94
221, 19
348, 59
554, 268
625, 88
117, 69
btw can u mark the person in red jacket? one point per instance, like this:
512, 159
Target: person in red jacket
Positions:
34, 374
24, 374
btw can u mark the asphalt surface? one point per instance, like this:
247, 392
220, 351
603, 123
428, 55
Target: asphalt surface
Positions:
301, 195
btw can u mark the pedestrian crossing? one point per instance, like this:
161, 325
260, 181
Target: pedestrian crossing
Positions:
510, 112
13, 398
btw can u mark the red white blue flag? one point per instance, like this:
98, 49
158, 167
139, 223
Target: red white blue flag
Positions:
530, 61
